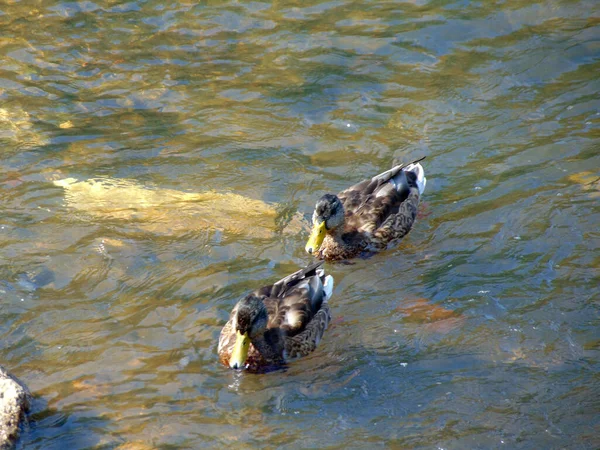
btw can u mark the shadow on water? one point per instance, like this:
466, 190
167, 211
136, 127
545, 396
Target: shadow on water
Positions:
62, 429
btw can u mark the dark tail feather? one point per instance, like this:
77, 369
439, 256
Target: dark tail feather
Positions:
308, 271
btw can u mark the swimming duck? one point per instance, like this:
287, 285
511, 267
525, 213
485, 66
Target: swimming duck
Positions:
278, 322
369, 216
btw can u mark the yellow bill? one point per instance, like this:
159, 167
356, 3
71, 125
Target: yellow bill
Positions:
240, 351
316, 237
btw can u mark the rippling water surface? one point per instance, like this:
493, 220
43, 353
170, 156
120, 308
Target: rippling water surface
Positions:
480, 331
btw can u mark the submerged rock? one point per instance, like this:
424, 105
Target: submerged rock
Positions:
589, 182
15, 401
17, 126
168, 211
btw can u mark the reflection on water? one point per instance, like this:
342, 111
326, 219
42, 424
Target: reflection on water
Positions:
479, 331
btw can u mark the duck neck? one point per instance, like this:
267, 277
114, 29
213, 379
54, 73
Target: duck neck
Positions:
269, 345
336, 235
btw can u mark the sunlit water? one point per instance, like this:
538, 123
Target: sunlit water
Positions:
482, 330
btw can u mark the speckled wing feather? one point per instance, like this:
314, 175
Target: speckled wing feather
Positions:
397, 225
371, 203
305, 342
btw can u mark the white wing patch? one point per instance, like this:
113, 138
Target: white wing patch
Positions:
417, 169
328, 287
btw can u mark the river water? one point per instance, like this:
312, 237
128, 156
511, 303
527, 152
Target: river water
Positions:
200, 135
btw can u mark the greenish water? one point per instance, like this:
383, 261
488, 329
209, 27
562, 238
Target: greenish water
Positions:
480, 331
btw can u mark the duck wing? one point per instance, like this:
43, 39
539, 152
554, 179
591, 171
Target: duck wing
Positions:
293, 301
307, 340
370, 203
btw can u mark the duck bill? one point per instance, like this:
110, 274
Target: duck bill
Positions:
240, 351
316, 237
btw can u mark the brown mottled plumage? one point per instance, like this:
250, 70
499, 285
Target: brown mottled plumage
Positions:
368, 217
278, 322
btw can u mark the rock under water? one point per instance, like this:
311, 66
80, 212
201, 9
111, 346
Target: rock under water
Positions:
169, 211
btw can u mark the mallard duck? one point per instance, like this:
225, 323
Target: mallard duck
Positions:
369, 216
278, 322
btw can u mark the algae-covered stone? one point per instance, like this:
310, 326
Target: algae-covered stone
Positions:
169, 211
16, 125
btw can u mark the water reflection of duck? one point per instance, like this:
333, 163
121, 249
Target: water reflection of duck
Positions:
284, 320
369, 216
